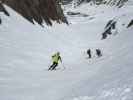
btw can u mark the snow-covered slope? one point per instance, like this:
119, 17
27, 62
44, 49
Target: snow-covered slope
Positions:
25, 52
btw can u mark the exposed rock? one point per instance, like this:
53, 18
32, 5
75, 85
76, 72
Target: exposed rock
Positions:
118, 3
38, 10
2, 9
108, 28
76, 14
64, 2
92, 2
0, 21
130, 24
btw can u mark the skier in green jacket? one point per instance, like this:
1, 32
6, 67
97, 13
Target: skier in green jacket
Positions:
55, 58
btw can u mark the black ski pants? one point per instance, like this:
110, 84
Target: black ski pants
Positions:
53, 66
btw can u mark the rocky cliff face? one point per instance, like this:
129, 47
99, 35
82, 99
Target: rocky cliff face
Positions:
38, 10
3, 10
118, 3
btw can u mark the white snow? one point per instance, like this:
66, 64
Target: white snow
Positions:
26, 49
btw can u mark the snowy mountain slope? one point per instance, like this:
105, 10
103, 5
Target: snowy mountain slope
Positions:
25, 52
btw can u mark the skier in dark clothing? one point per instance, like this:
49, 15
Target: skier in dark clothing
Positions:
98, 52
89, 53
55, 58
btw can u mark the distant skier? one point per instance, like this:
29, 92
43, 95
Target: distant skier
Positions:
98, 52
55, 58
89, 53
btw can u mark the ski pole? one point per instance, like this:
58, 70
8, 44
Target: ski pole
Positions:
63, 66
49, 65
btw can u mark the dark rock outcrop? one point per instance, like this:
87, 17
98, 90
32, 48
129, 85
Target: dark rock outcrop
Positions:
2, 9
70, 13
64, 2
38, 10
108, 28
118, 3
92, 2
130, 23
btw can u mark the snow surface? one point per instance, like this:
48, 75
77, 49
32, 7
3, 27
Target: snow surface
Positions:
26, 49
